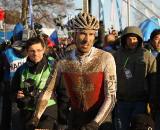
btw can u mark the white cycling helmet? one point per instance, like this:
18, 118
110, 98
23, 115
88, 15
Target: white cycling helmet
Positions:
84, 21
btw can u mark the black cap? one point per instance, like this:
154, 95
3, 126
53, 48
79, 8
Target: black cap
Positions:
154, 33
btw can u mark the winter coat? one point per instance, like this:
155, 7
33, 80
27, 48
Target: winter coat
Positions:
136, 70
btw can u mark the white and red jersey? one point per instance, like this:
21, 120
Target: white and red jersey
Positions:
89, 80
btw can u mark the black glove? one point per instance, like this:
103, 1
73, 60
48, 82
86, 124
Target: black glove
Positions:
91, 126
30, 126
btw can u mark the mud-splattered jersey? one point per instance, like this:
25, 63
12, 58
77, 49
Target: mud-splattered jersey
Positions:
89, 80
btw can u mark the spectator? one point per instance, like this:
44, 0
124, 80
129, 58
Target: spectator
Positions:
155, 110
109, 43
154, 43
136, 77
29, 81
10, 60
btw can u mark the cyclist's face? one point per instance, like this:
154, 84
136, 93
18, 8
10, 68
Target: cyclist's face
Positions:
84, 40
36, 52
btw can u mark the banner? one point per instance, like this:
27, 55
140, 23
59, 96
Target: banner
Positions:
119, 15
148, 26
18, 31
5, 36
30, 14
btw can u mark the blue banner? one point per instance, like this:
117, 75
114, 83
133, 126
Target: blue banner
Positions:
119, 15
18, 31
148, 26
30, 14
5, 36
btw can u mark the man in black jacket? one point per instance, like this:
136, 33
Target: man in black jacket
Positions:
136, 77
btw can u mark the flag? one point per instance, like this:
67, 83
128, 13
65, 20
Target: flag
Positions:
2, 14
124, 14
50, 43
112, 16
54, 37
148, 26
30, 14
101, 12
119, 15
18, 31
5, 36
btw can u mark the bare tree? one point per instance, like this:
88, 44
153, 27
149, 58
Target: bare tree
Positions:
24, 11
44, 11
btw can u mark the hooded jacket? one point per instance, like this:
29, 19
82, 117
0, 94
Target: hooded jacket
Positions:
136, 70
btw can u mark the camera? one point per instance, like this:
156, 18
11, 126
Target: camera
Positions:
30, 94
